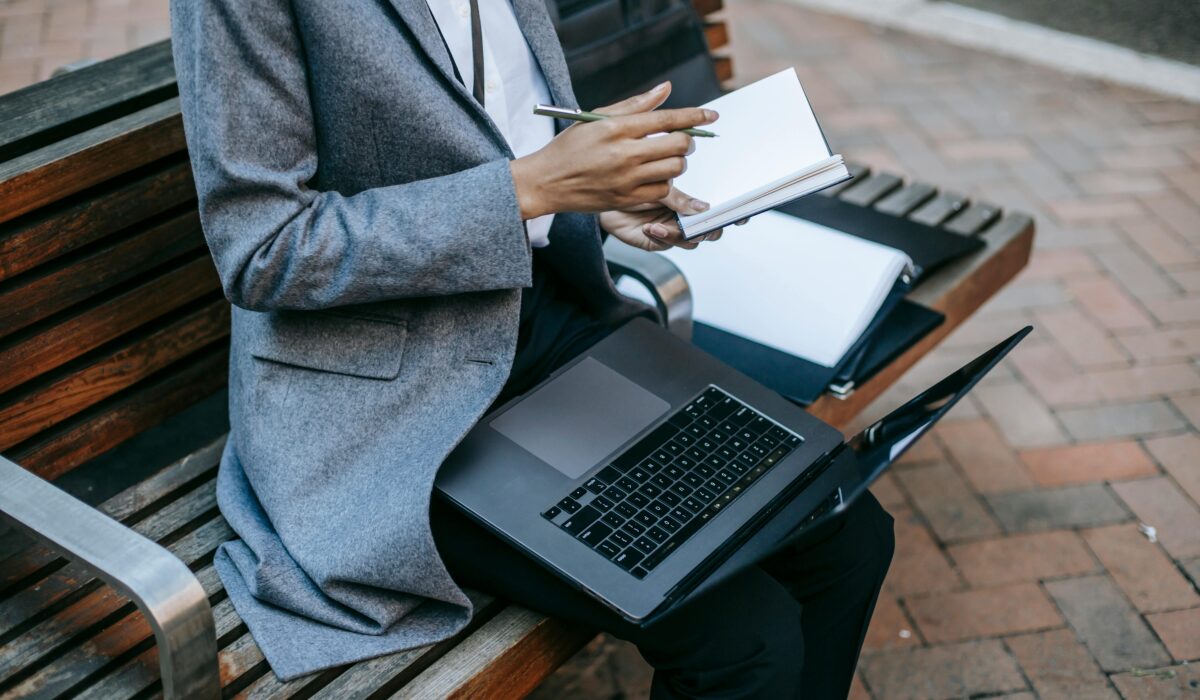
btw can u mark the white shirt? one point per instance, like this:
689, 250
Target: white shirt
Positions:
513, 82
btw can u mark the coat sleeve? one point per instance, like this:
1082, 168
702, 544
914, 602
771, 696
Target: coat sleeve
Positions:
280, 244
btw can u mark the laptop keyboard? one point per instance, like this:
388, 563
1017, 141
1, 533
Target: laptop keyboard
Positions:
640, 508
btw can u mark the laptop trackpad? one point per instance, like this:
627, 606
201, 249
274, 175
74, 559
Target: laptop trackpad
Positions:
580, 417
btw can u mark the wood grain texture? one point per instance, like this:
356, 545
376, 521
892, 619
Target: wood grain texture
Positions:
939, 208
33, 354
903, 201
506, 658
716, 34
40, 294
65, 167
46, 234
108, 425
53, 403
723, 66
866, 190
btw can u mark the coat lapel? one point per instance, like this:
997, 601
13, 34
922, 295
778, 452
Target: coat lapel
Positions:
534, 20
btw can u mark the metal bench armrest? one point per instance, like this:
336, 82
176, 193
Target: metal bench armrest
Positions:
665, 281
161, 585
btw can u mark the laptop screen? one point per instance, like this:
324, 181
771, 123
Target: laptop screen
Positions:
880, 445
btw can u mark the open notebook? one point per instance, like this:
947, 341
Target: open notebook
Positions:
769, 150
799, 287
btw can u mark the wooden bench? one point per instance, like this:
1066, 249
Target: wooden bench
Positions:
112, 320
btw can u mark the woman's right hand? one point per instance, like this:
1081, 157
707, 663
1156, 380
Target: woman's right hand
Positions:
609, 164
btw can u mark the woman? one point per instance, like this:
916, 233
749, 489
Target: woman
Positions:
404, 244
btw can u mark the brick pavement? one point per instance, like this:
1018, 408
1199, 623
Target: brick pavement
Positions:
1020, 569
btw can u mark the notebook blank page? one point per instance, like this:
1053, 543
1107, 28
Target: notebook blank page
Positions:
766, 132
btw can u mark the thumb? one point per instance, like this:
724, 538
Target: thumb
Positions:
644, 102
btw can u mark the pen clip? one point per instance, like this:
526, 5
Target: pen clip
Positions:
552, 111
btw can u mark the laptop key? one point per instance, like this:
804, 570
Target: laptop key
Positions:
595, 485
614, 494
685, 439
579, 493
714, 485
596, 534
608, 475
704, 470
671, 499
669, 524
626, 509
638, 500
613, 520
650, 490
674, 448
639, 572
727, 476
622, 538
682, 490
646, 518
628, 559
693, 480
601, 503
569, 504
658, 534
674, 471
639, 475
634, 528
645, 544
684, 462
552, 513
579, 521
681, 515
693, 505
704, 494
627, 484
662, 480
658, 508
608, 549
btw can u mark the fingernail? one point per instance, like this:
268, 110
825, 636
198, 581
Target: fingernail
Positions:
661, 86
710, 115
655, 230
699, 205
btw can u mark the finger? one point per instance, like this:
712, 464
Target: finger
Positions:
741, 222
643, 102
660, 171
675, 143
715, 235
683, 203
670, 234
638, 125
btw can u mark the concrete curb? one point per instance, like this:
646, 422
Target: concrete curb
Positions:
977, 29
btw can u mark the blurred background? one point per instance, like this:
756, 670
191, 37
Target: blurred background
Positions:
1048, 533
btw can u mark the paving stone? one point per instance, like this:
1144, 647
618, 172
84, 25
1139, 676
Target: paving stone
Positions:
949, 506
1086, 505
1171, 683
1082, 338
1192, 568
1087, 209
1022, 418
1141, 569
982, 612
943, 672
1162, 245
1124, 420
1108, 303
858, 691
918, 566
1166, 344
1145, 381
1160, 503
981, 453
1180, 631
1179, 455
926, 449
890, 627
1189, 406
1136, 274
1175, 211
887, 492
1054, 377
1112, 630
1175, 309
1027, 557
1087, 462
1059, 666
1057, 264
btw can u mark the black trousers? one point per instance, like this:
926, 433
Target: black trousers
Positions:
791, 627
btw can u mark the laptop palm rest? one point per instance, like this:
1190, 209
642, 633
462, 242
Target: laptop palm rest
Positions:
580, 417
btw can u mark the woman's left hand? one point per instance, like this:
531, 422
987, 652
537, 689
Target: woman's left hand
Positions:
653, 226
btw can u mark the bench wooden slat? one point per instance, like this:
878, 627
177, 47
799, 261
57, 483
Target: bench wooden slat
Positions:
51, 404
507, 657
716, 34
73, 101
902, 201
120, 418
39, 351
938, 209
707, 7
36, 296
857, 173
78, 162
866, 190
973, 219
45, 235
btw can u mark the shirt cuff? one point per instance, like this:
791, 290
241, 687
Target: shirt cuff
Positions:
538, 230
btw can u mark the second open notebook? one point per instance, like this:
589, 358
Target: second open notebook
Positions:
770, 150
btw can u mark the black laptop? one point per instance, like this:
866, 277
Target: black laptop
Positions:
645, 470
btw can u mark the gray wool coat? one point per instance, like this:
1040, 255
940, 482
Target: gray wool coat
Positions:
360, 209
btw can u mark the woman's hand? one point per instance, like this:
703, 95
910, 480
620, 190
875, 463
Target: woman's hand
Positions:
654, 226
609, 164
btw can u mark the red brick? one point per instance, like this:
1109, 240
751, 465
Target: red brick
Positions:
1023, 420
923, 451
1097, 461
1179, 455
1017, 558
1082, 338
1059, 666
1111, 306
858, 691
952, 510
940, 673
918, 565
1168, 344
1054, 376
1180, 631
983, 612
1172, 683
890, 628
1141, 569
1056, 264
1158, 502
988, 462
887, 492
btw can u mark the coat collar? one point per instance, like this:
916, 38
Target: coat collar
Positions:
535, 23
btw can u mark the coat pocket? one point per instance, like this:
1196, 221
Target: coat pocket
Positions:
332, 342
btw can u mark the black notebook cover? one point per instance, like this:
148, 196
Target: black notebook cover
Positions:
802, 381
